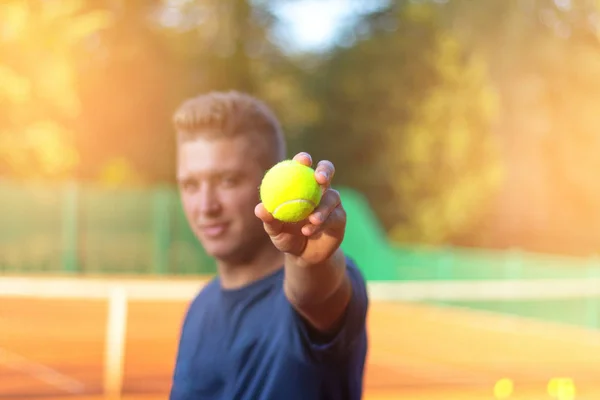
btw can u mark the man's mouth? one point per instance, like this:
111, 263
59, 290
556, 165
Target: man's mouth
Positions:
213, 230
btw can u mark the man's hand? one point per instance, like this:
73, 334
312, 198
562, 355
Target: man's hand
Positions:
314, 240
316, 283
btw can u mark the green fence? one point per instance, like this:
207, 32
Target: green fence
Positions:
579, 311
86, 229
79, 229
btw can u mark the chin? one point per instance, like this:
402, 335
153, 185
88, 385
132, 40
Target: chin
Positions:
231, 255
219, 249
216, 250
232, 251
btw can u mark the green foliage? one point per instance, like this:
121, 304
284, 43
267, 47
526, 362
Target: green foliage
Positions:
431, 109
39, 41
127, 85
545, 61
142, 68
408, 122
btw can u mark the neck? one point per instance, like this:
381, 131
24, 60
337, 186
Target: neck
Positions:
265, 261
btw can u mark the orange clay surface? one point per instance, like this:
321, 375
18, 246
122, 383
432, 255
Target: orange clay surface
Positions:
53, 349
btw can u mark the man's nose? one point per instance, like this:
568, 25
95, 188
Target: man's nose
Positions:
208, 201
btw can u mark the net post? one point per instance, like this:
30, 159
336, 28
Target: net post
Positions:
114, 351
593, 303
445, 264
513, 267
161, 230
70, 229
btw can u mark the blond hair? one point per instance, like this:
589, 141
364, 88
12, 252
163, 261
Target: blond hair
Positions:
230, 114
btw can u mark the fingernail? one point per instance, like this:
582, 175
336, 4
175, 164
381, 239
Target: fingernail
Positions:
319, 216
324, 174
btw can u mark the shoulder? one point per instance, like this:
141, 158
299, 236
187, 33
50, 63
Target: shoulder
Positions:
353, 269
357, 278
209, 290
360, 296
351, 338
204, 298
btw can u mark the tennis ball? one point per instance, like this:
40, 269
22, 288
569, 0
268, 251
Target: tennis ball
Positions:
289, 191
504, 388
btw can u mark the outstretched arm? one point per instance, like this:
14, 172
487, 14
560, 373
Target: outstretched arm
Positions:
316, 281
319, 292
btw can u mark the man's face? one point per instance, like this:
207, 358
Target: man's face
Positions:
219, 180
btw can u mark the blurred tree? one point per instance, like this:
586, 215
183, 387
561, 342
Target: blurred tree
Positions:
157, 53
127, 83
39, 41
407, 116
229, 44
118, 172
545, 61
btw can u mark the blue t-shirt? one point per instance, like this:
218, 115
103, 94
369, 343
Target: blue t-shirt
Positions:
250, 344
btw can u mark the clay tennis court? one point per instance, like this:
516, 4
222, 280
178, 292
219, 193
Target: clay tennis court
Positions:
53, 349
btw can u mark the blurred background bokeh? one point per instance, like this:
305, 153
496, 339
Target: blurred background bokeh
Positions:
465, 134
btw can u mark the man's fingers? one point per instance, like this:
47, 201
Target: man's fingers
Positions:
303, 158
261, 212
330, 200
329, 203
272, 226
335, 222
324, 173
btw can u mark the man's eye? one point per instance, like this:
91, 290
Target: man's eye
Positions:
189, 186
229, 181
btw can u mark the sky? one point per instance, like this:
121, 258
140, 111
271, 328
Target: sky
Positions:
304, 25
313, 24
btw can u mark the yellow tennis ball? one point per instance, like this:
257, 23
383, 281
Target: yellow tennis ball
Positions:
504, 388
289, 191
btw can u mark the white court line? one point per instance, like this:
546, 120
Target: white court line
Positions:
41, 372
434, 371
496, 321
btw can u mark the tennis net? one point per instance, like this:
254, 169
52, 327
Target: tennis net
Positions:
69, 336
